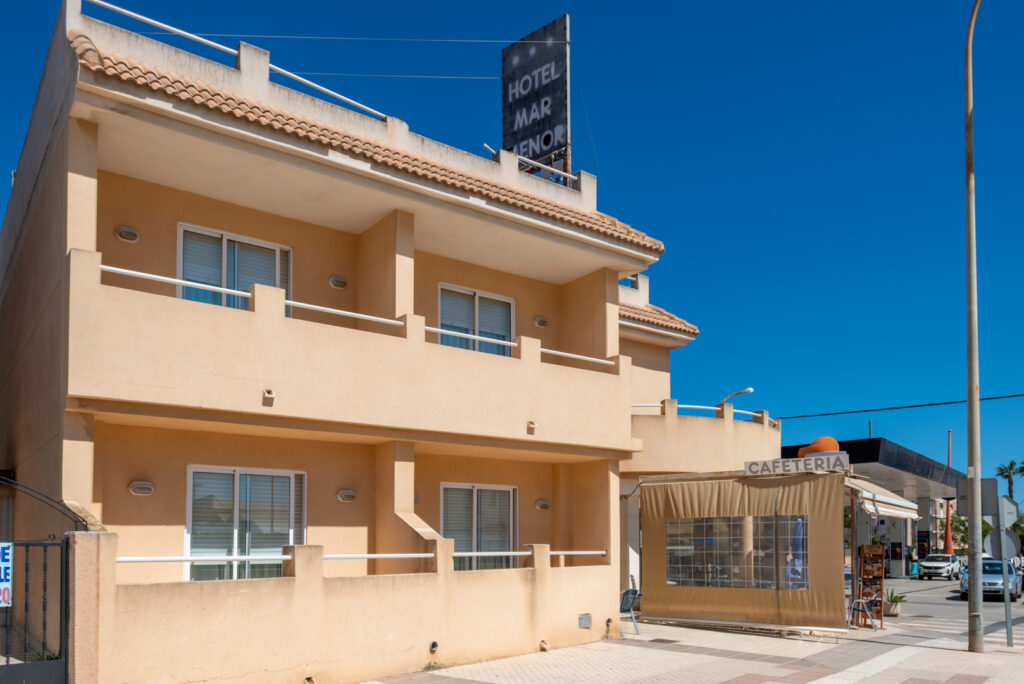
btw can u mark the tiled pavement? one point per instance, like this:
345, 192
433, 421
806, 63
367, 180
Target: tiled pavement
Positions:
911, 650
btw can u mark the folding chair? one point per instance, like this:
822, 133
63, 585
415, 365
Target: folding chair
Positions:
863, 605
629, 598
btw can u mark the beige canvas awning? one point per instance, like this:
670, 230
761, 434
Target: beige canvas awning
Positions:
876, 500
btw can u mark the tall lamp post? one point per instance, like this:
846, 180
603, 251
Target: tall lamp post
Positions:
947, 546
975, 636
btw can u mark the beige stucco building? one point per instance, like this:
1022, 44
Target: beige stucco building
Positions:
239, 321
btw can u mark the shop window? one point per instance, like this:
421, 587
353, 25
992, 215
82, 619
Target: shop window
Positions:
755, 552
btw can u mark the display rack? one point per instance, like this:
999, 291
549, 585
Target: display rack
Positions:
872, 582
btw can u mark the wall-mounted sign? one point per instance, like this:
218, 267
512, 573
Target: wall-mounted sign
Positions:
6, 578
535, 95
809, 464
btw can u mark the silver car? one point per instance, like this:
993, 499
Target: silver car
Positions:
992, 580
941, 565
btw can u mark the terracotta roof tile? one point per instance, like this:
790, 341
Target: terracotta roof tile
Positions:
189, 90
656, 316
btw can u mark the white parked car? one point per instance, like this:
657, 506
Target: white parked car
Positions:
941, 565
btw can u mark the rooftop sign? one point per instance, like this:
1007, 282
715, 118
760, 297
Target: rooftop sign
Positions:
535, 95
837, 460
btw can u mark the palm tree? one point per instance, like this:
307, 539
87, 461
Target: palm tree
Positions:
1007, 471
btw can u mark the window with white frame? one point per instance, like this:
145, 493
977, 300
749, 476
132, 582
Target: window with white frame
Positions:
232, 261
480, 518
475, 313
242, 512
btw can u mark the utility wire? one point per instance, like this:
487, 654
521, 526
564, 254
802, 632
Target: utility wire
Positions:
355, 38
898, 408
464, 78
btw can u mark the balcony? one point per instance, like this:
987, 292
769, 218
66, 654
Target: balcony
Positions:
675, 443
143, 352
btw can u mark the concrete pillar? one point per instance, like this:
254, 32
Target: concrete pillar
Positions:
561, 508
397, 528
927, 521
79, 473
385, 270
253, 63
724, 411
82, 155
92, 596
590, 315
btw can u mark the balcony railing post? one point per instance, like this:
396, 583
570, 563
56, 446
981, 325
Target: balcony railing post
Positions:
540, 556
266, 301
444, 558
723, 411
669, 407
527, 349
414, 327
307, 562
761, 417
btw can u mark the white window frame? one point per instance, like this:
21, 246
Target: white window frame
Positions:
224, 237
237, 472
476, 311
513, 514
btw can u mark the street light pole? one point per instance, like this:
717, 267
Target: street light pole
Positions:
975, 635
730, 396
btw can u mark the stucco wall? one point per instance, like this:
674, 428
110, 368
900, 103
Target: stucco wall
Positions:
155, 211
331, 629
119, 352
650, 380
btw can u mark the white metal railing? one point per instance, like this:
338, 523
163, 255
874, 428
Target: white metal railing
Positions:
480, 338
240, 293
529, 162
487, 554
372, 556
198, 559
223, 48
693, 407
341, 312
591, 359
173, 281
579, 553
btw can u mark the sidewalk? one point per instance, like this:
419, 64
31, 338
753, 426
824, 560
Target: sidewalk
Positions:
916, 648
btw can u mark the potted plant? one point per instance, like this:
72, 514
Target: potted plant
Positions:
891, 604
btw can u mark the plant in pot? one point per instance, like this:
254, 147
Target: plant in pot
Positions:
891, 605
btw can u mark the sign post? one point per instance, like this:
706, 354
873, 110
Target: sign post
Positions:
6, 578
535, 95
1007, 516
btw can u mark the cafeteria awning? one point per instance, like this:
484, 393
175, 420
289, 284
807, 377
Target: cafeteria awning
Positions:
876, 500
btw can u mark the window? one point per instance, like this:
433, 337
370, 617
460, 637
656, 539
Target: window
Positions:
229, 261
479, 518
762, 552
233, 512
473, 313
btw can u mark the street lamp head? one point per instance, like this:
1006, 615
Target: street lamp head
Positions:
742, 391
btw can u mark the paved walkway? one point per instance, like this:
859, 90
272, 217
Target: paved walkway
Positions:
917, 648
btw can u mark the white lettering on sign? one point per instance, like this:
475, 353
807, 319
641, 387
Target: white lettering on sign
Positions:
790, 466
542, 143
6, 579
538, 77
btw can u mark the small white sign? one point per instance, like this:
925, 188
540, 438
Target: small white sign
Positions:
838, 460
6, 577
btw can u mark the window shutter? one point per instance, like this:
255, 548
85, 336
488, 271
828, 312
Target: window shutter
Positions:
249, 265
200, 263
299, 514
285, 277
457, 315
496, 323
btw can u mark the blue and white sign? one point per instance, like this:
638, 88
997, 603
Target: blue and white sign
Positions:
6, 570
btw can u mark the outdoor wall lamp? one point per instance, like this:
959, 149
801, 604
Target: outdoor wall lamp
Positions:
141, 488
346, 495
126, 234
742, 391
337, 282
540, 321
542, 504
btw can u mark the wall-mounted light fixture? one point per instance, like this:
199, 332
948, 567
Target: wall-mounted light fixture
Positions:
141, 488
540, 321
337, 282
542, 504
346, 495
126, 234
531, 427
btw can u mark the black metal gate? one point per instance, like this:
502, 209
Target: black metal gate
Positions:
34, 628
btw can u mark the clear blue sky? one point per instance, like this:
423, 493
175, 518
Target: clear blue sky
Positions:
802, 160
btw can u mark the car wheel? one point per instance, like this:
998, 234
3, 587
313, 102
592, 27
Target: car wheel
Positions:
963, 595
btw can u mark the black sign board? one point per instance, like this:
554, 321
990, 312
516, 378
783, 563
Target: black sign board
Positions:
924, 543
535, 95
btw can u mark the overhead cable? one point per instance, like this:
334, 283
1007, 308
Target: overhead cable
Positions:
898, 408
